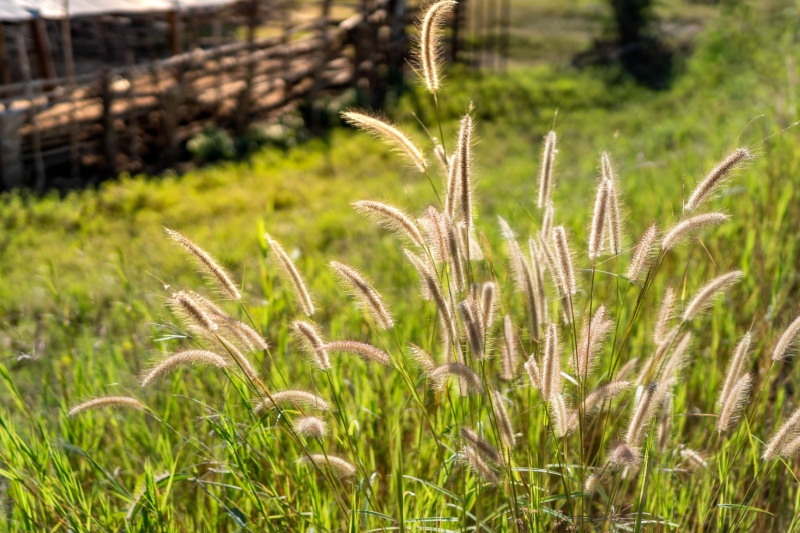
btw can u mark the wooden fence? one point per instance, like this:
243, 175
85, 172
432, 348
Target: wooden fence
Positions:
75, 130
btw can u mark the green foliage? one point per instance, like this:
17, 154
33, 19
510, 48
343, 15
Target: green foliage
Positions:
82, 313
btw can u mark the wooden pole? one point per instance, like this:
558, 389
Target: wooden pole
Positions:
69, 68
5, 70
109, 131
36, 140
44, 54
171, 103
11, 121
174, 23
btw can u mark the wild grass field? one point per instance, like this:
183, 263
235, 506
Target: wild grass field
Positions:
86, 283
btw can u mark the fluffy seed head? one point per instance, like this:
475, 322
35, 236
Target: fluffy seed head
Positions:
488, 294
734, 402
509, 350
456, 267
559, 416
337, 465
532, 368
625, 456
391, 218
642, 414
186, 358
107, 401
313, 340
463, 164
783, 438
547, 220
566, 273
472, 326
423, 359
716, 178
370, 299
524, 279
298, 398
664, 316
388, 133
591, 484
735, 367
486, 450
218, 274
244, 334
367, 351
643, 252
468, 376
479, 466
287, 265
664, 427
311, 427
504, 426
599, 216
432, 287
546, 174
430, 42
694, 459
614, 221
551, 364
688, 226
787, 341
709, 291
185, 305
593, 335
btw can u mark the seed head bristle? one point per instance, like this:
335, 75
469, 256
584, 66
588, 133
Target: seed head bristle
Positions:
389, 133
423, 359
523, 277
187, 307
550, 378
479, 466
288, 266
472, 327
432, 287
463, 164
369, 298
537, 271
244, 334
488, 304
642, 414
734, 402
532, 368
441, 156
691, 225
337, 465
643, 252
566, 273
546, 174
614, 221
664, 427
599, 217
559, 416
547, 221
219, 274
693, 458
782, 438
709, 291
484, 449
243, 363
297, 398
627, 369
456, 266
430, 42
735, 367
311, 337
664, 315
509, 350
185, 358
605, 392
593, 335
311, 427
716, 178
625, 456
391, 218
107, 401
591, 484
504, 426
367, 352
466, 375
787, 341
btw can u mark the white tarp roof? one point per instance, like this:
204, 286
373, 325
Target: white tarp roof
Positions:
18, 10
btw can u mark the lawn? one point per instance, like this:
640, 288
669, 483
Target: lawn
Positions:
85, 281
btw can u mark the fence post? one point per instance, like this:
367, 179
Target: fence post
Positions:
109, 131
171, 103
11, 121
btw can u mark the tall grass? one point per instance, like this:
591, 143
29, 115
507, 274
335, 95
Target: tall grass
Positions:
398, 403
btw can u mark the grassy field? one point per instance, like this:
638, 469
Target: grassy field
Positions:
85, 281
